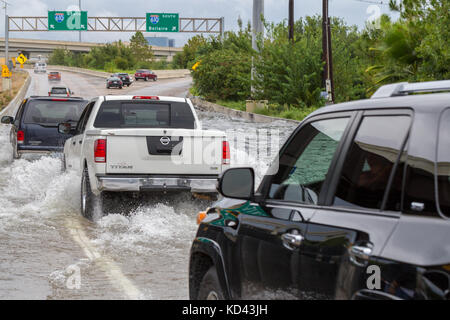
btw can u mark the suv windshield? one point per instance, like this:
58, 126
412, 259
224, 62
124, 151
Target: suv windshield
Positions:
51, 113
144, 114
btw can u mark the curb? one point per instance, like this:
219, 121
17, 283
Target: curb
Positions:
162, 74
19, 96
253, 117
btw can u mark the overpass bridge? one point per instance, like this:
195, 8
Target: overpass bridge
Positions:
34, 48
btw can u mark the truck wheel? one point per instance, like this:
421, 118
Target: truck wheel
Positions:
63, 164
88, 198
210, 286
146, 79
154, 79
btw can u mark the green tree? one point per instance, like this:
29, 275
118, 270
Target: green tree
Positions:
140, 48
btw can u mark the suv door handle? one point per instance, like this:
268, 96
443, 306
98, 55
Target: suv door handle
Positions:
292, 240
360, 255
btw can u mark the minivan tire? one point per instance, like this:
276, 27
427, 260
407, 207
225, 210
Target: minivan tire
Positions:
210, 288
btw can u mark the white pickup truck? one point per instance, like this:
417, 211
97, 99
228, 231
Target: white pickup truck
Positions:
142, 144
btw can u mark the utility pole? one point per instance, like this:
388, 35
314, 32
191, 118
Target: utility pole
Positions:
327, 56
79, 7
6, 81
5, 6
291, 21
257, 30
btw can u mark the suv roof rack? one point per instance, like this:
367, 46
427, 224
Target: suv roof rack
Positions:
405, 88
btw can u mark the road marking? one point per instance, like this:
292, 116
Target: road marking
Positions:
112, 270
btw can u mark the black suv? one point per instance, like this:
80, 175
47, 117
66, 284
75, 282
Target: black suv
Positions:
125, 77
35, 126
359, 208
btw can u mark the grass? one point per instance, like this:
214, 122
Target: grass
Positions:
237, 105
18, 79
273, 110
287, 112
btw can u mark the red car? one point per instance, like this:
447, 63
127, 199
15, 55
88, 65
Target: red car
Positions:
145, 75
54, 76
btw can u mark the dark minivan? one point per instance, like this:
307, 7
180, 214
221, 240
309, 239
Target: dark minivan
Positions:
35, 126
359, 208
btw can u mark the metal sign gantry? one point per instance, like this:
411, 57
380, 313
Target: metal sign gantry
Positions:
118, 24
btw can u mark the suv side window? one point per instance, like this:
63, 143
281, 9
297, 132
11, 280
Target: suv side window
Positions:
84, 118
370, 164
305, 162
443, 165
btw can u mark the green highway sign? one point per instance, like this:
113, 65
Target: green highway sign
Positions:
163, 22
67, 20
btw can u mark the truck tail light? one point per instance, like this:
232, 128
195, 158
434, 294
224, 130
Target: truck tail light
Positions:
145, 98
225, 152
100, 151
20, 137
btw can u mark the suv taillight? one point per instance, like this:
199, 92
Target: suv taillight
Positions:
20, 136
225, 152
100, 151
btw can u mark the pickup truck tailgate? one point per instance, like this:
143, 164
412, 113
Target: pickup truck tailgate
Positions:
160, 151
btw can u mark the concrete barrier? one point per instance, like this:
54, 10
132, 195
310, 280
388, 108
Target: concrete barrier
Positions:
14, 103
253, 117
162, 74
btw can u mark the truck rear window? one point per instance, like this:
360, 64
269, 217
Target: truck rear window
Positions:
443, 165
144, 114
51, 113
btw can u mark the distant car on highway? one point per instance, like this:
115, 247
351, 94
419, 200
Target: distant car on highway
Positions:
60, 91
125, 77
35, 125
40, 67
145, 74
54, 76
114, 82
142, 144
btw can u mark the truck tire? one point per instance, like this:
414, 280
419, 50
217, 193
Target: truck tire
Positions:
146, 79
210, 286
155, 78
63, 164
88, 198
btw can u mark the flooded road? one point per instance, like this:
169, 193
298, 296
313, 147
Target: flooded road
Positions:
48, 251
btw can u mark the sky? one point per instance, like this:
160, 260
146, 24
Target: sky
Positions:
354, 12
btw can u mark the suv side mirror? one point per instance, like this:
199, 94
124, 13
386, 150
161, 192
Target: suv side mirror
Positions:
237, 183
7, 120
64, 128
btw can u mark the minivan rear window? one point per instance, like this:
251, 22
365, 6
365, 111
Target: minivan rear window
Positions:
443, 164
59, 91
51, 113
144, 114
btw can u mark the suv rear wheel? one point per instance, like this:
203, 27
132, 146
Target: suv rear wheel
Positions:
210, 286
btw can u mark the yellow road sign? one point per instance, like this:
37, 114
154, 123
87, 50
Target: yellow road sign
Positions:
5, 71
195, 66
21, 59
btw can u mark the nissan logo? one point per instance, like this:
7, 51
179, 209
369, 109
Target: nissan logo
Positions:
164, 141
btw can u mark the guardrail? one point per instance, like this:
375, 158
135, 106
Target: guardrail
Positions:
204, 105
162, 74
18, 98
